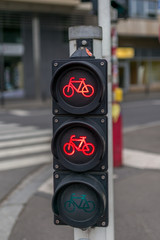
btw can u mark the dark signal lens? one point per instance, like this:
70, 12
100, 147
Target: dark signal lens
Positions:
80, 199
78, 203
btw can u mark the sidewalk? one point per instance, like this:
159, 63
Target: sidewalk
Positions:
32, 103
25, 104
136, 96
142, 147
137, 195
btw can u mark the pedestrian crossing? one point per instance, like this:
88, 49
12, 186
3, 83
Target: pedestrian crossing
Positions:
23, 146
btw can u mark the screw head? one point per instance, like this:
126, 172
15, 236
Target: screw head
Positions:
56, 166
102, 167
103, 177
56, 120
102, 120
102, 110
55, 64
84, 42
57, 221
56, 176
102, 63
56, 110
103, 224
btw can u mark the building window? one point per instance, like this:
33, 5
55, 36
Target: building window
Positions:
13, 73
11, 55
12, 35
143, 8
145, 75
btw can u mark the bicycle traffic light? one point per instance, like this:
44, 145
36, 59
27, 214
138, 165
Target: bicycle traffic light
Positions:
78, 87
121, 6
79, 144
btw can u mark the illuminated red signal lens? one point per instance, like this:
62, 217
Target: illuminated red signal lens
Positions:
79, 86
83, 146
79, 146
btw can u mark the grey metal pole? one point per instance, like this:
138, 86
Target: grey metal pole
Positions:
94, 33
36, 55
104, 20
2, 100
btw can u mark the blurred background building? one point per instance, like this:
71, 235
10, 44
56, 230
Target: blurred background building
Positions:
34, 32
139, 69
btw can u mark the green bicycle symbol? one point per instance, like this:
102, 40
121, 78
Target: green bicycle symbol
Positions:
87, 206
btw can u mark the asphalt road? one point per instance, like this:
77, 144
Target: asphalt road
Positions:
136, 190
140, 112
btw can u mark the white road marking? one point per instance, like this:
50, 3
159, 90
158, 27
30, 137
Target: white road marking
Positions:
141, 126
13, 141
136, 104
115, 176
4, 126
24, 150
25, 162
27, 141
26, 113
19, 112
12, 206
17, 129
30, 134
140, 159
47, 187
8, 217
156, 102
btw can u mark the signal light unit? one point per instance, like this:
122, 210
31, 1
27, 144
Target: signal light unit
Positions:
80, 142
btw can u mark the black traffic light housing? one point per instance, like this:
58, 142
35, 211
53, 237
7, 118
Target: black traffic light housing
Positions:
121, 6
79, 101
80, 142
94, 5
94, 130
71, 206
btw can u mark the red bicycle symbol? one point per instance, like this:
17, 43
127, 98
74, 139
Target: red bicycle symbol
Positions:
86, 148
85, 89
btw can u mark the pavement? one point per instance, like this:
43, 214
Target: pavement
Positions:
25, 104
136, 194
140, 96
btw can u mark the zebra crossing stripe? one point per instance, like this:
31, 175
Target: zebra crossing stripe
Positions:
21, 142
28, 134
17, 129
12, 152
140, 159
24, 162
8, 125
47, 187
21, 113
